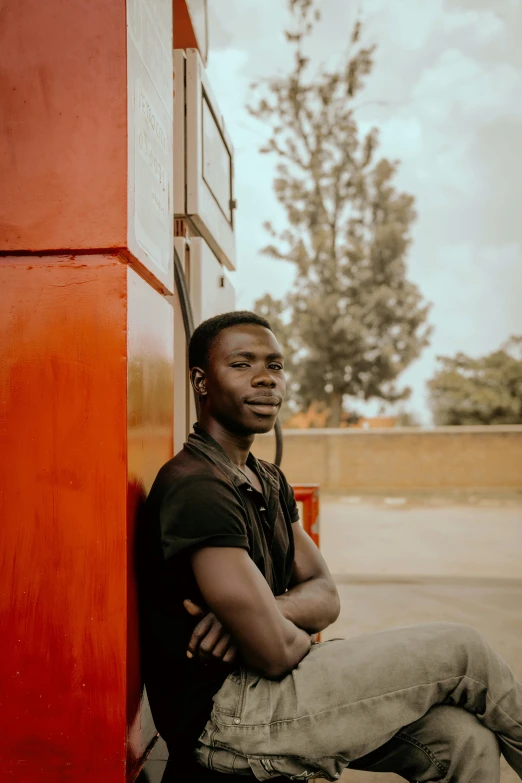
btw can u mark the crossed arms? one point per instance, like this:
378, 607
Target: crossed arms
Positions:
270, 633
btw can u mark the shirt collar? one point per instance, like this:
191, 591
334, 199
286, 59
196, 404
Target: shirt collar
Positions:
205, 444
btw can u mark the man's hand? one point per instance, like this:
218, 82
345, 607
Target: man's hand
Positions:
209, 640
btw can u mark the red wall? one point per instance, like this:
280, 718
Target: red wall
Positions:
63, 141
63, 554
86, 382
86, 417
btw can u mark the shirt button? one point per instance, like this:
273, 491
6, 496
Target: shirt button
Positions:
262, 508
249, 489
236, 721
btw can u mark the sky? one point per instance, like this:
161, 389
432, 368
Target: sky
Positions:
446, 96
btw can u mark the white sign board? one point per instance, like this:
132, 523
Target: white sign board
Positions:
204, 159
150, 135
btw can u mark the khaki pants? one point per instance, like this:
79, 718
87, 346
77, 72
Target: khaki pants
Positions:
372, 702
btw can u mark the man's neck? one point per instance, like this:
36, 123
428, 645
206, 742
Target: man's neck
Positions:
236, 447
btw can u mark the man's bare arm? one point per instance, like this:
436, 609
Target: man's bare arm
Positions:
312, 601
236, 592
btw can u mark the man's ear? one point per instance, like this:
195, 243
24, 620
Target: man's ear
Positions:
198, 380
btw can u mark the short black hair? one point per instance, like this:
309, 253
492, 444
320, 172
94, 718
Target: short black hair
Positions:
204, 335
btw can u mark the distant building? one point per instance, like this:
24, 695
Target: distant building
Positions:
316, 417
373, 423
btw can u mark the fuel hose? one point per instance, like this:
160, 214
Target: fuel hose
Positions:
188, 324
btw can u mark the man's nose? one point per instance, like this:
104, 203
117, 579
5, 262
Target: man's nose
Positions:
264, 378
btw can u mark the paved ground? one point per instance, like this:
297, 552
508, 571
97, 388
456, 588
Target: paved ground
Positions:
402, 561
478, 537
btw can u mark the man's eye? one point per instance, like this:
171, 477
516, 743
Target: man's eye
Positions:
276, 366
241, 364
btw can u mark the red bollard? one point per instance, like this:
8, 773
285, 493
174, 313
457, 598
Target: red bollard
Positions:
308, 495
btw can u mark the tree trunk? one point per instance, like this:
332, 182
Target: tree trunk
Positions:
336, 407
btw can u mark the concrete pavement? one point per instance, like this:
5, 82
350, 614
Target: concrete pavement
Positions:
400, 561
438, 537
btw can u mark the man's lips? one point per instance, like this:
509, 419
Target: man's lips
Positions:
264, 404
264, 400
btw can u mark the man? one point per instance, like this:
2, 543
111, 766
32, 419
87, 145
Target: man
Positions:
233, 593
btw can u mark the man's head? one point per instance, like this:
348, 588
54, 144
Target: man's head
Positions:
236, 368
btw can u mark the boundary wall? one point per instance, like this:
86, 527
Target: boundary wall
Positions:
445, 459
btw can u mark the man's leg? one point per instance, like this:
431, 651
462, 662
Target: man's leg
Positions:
447, 744
349, 697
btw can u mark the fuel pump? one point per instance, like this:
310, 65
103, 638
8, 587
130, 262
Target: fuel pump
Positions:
98, 167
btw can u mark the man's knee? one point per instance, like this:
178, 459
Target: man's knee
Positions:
468, 635
462, 638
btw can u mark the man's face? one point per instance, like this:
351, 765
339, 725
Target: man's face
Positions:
245, 381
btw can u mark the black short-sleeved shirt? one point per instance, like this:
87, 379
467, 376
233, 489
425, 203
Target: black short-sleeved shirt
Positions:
200, 498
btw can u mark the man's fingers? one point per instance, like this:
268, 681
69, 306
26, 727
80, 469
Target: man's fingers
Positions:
222, 646
209, 639
230, 654
212, 637
199, 633
193, 609
225, 649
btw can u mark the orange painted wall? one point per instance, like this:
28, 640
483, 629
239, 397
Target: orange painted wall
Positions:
86, 375
86, 416
63, 554
63, 125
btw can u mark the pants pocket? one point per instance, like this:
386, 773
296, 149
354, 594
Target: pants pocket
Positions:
229, 700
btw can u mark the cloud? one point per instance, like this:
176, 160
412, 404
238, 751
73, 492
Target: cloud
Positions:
458, 87
484, 26
409, 23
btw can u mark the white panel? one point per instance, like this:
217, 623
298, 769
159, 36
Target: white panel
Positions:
211, 291
209, 164
179, 132
150, 116
182, 388
217, 162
